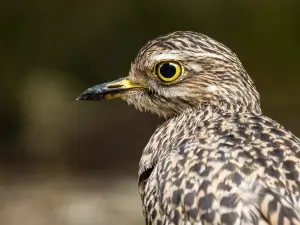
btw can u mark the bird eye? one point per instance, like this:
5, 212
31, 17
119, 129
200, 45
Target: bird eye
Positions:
168, 71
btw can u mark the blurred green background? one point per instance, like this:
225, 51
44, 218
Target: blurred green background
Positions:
68, 162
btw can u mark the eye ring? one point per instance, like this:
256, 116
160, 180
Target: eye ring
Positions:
168, 71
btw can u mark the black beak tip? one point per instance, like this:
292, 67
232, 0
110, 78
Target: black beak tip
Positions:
90, 95
79, 98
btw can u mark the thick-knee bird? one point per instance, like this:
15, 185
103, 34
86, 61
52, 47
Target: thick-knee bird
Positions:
215, 158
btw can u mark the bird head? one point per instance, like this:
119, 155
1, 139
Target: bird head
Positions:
179, 71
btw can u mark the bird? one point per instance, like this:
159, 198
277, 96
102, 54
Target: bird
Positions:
215, 158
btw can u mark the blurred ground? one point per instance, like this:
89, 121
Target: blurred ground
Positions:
40, 200
67, 162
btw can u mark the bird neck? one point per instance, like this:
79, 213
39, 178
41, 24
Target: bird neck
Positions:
172, 132
231, 106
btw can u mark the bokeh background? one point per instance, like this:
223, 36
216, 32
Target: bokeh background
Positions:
67, 162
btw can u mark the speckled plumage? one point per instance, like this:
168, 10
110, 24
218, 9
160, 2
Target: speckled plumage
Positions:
215, 167
215, 159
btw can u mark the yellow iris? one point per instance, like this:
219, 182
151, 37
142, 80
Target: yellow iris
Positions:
168, 71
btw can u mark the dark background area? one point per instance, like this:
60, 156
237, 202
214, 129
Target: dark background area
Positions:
69, 162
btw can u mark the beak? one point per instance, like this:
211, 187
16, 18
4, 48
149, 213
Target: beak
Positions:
108, 90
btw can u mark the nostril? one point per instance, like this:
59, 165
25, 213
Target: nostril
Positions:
114, 86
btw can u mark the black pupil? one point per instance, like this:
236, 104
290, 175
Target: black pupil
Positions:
167, 70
